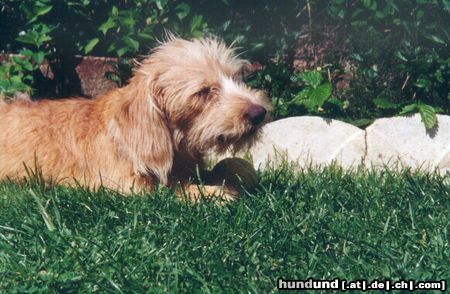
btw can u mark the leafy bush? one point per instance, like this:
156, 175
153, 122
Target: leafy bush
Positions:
17, 74
315, 92
59, 30
301, 93
395, 52
401, 52
12, 79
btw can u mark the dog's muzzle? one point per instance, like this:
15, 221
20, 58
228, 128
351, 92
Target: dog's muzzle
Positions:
256, 114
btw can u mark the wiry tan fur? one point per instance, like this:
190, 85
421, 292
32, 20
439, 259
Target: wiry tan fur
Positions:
186, 98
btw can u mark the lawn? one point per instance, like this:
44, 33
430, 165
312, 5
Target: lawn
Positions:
320, 223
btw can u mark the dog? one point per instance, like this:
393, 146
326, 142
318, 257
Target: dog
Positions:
186, 98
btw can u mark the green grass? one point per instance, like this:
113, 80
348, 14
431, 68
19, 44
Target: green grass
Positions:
324, 224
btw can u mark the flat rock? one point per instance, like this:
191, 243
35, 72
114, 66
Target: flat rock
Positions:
404, 141
309, 140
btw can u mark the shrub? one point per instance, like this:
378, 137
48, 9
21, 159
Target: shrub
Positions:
59, 30
400, 49
394, 53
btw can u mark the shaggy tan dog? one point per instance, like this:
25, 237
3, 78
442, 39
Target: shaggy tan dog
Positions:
185, 99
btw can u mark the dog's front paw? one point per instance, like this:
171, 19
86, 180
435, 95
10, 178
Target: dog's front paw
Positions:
197, 192
229, 193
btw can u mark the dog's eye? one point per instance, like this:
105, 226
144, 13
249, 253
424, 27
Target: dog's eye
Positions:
249, 77
246, 73
204, 93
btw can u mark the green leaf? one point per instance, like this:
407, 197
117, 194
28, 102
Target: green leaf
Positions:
309, 105
380, 14
196, 23
197, 34
428, 115
120, 52
370, 4
27, 65
92, 43
29, 38
26, 52
383, 103
106, 26
4, 86
114, 11
159, 5
133, 44
226, 25
419, 14
408, 109
127, 19
39, 57
312, 78
362, 122
423, 83
437, 39
19, 86
400, 56
146, 37
42, 39
357, 57
357, 12
17, 59
111, 48
301, 96
43, 10
319, 95
182, 10
336, 102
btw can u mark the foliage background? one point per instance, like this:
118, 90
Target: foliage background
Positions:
352, 60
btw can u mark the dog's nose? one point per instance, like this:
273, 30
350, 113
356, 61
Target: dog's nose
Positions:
256, 114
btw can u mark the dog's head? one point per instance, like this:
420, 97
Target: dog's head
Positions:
198, 87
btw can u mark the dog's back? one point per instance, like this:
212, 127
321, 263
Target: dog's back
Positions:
54, 136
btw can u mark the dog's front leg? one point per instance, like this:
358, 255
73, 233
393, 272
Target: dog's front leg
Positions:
195, 192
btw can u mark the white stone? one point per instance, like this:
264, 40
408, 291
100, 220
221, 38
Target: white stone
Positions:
404, 141
310, 140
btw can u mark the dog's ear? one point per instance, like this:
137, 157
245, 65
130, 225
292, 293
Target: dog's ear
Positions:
145, 137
